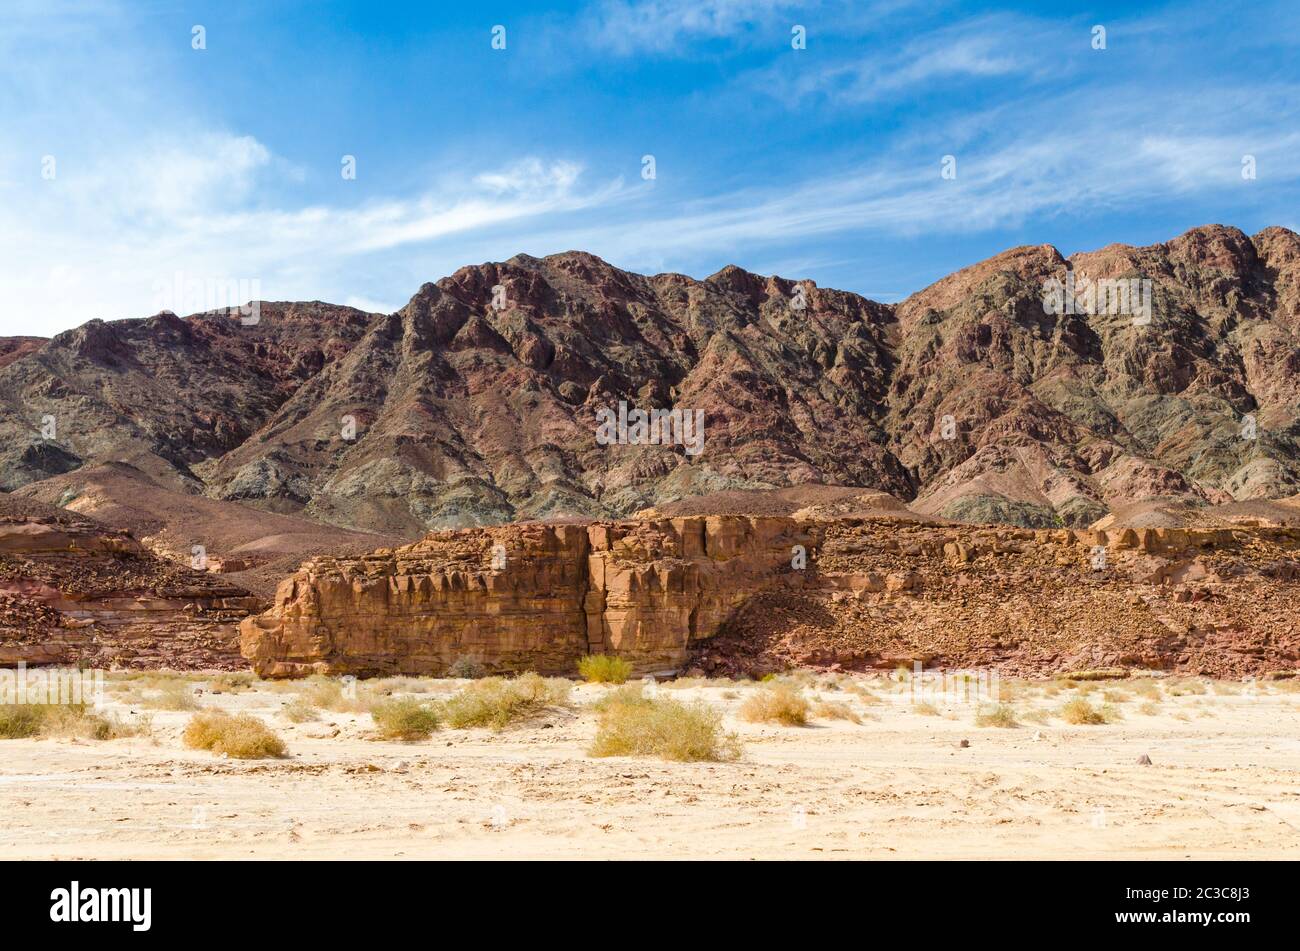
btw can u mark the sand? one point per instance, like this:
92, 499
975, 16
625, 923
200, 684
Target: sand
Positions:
1224, 783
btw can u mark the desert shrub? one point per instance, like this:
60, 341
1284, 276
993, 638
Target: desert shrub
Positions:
835, 710
1082, 713
998, 715
776, 703
1183, 688
231, 681
404, 684
1149, 709
603, 669
328, 694
21, 720
76, 721
632, 724
68, 720
465, 668
925, 708
240, 737
863, 693
1146, 687
1035, 715
300, 710
690, 683
496, 702
172, 695
404, 719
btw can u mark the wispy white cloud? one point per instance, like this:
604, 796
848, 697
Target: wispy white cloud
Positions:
993, 46
121, 230
667, 26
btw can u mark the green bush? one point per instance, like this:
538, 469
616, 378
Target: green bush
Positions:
466, 669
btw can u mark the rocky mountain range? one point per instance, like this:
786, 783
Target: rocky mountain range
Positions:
479, 401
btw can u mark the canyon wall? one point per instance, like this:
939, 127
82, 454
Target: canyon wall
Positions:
522, 597
723, 594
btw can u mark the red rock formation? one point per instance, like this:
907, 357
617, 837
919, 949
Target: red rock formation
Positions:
967, 399
721, 593
643, 590
72, 592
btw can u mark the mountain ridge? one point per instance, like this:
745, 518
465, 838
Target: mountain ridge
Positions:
466, 407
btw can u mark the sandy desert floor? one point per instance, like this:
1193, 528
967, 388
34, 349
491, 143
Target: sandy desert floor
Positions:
1224, 783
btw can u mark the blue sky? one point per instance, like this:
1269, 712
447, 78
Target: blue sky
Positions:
224, 163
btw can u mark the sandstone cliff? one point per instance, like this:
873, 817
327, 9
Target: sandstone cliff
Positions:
522, 597
723, 593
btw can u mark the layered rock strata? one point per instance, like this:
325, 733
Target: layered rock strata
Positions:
727, 594
522, 597
72, 592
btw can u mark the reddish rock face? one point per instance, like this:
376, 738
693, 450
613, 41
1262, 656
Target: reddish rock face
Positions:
642, 590
722, 593
72, 592
477, 402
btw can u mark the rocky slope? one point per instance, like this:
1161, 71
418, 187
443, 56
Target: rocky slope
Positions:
732, 594
75, 592
477, 402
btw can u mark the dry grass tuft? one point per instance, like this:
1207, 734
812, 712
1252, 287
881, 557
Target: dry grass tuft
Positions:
231, 682
18, 721
603, 669
69, 721
998, 715
240, 737
776, 703
496, 702
835, 710
1081, 713
632, 724
328, 694
171, 695
1186, 688
300, 710
404, 719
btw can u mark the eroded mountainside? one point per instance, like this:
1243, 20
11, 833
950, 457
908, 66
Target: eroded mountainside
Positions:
476, 403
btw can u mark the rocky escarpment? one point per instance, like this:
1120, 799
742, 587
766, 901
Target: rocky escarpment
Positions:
477, 403
523, 597
1220, 602
72, 592
732, 594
